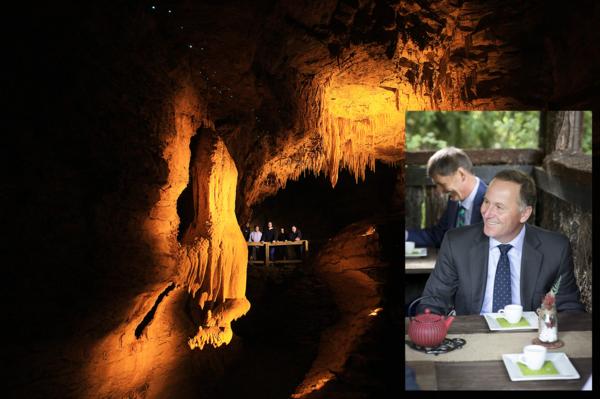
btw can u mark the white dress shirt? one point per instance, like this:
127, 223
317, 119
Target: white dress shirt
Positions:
255, 236
514, 257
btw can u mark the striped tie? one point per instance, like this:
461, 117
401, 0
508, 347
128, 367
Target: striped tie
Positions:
460, 218
502, 294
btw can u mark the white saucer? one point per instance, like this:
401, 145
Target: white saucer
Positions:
531, 317
563, 365
416, 253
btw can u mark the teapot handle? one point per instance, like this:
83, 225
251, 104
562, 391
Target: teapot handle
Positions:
416, 300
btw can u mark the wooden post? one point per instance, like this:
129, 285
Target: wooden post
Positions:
563, 131
266, 254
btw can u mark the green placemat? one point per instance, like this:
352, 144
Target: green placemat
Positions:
504, 323
547, 369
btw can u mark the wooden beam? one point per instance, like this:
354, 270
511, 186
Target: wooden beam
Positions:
529, 156
417, 175
561, 186
564, 189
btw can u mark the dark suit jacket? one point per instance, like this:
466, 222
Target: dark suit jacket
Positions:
460, 273
295, 235
269, 235
433, 236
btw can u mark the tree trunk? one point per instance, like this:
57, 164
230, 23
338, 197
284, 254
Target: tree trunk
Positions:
563, 131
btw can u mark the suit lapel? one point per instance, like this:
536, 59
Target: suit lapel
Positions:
452, 213
476, 212
478, 263
531, 263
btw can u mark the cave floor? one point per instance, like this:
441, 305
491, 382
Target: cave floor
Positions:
292, 307
274, 346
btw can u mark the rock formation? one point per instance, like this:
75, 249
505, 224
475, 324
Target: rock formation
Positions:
214, 254
342, 265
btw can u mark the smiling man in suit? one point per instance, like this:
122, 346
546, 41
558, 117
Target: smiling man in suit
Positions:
483, 267
451, 171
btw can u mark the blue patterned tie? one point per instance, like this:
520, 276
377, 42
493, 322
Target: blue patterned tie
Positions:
502, 294
460, 218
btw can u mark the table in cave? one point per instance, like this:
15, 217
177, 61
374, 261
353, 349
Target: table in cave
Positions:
268, 245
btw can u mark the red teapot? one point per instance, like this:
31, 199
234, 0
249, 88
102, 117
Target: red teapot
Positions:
428, 329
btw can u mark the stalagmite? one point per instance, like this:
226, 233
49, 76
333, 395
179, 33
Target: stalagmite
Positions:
213, 257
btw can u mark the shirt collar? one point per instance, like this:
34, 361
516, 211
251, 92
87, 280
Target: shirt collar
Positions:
468, 202
516, 242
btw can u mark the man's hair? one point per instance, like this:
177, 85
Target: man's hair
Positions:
527, 192
446, 162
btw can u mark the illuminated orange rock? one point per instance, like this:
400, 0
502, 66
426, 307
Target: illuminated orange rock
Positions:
214, 254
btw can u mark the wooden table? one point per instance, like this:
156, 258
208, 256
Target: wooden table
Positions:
478, 365
268, 245
422, 265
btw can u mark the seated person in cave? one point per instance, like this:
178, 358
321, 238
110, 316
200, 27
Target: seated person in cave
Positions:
295, 251
451, 171
255, 236
270, 235
280, 251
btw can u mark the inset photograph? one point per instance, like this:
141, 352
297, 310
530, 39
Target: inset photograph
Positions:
498, 238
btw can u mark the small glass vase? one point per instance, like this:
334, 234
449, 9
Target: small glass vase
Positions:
548, 324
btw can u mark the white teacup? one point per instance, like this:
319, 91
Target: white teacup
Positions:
409, 246
512, 313
533, 356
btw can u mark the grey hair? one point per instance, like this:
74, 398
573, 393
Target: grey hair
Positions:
446, 162
527, 191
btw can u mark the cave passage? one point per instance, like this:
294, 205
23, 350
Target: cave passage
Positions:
320, 211
292, 306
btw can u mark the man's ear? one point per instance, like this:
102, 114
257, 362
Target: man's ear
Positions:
462, 173
526, 213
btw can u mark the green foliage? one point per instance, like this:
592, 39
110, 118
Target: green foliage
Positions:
586, 142
556, 286
432, 130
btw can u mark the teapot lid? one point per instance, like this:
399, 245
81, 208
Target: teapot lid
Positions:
428, 317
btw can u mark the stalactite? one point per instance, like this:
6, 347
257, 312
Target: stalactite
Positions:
356, 110
353, 119
213, 257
